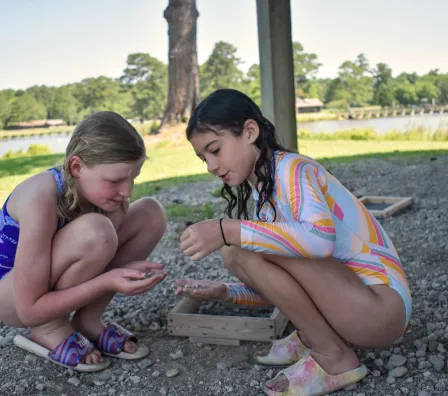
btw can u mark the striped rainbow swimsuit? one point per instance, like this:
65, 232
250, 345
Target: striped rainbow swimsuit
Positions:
317, 217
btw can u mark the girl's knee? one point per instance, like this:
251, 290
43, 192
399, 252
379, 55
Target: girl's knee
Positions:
98, 235
153, 214
230, 255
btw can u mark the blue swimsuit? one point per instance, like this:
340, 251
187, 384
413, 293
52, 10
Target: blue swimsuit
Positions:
9, 230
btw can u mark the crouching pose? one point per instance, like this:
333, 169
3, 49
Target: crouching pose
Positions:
312, 250
70, 240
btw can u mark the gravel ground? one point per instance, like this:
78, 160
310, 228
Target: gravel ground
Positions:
414, 365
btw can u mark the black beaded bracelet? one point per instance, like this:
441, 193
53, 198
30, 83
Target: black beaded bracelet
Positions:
222, 232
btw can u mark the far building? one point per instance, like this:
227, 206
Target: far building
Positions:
312, 105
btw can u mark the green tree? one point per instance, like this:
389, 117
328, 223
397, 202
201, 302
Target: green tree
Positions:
147, 78
356, 82
384, 94
405, 93
411, 77
382, 74
363, 63
316, 89
427, 90
252, 86
65, 105
4, 109
442, 84
44, 95
103, 93
25, 108
221, 69
306, 67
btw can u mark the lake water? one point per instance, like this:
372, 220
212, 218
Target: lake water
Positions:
381, 125
58, 144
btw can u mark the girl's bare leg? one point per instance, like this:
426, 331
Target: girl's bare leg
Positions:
81, 251
142, 228
327, 302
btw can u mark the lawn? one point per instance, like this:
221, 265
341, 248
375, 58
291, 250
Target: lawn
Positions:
177, 164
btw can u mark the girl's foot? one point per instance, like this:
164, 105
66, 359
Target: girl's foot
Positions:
330, 365
52, 334
283, 352
92, 329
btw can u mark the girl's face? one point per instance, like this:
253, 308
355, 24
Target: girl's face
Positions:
107, 185
230, 157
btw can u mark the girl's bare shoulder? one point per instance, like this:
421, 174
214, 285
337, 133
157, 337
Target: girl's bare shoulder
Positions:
40, 188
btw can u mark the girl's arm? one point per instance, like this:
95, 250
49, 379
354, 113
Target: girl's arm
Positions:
309, 234
35, 208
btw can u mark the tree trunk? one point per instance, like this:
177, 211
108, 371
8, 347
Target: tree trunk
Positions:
183, 69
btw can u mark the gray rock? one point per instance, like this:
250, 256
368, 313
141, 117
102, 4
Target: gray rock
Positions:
74, 381
378, 362
177, 355
437, 363
40, 387
424, 365
390, 379
398, 372
396, 361
135, 379
155, 326
172, 372
145, 363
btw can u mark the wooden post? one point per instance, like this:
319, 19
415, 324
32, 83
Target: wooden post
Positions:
277, 68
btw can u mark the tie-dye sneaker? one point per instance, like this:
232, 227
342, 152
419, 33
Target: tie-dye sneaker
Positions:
284, 352
308, 378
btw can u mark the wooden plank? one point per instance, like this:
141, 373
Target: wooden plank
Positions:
398, 206
229, 327
186, 305
280, 322
216, 341
380, 200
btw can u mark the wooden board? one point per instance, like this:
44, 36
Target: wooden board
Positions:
383, 207
184, 320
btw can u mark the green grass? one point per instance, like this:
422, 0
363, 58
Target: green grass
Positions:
168, 166
194, 213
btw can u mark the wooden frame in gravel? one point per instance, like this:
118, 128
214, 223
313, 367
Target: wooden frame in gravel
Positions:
383, 207
183, 320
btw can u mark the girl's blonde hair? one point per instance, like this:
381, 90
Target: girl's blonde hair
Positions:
104, 137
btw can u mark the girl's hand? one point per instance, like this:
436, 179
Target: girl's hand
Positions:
131, 282
201, 239
202, 290
145, 266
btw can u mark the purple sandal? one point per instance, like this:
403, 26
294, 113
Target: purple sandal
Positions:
112, 339
69, 353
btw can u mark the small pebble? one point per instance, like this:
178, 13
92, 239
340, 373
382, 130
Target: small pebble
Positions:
172, 372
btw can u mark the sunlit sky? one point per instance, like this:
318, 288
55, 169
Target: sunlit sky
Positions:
54, 42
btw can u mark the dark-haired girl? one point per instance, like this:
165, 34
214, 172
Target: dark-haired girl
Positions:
312, 250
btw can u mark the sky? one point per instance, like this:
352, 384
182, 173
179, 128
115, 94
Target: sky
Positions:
54, 42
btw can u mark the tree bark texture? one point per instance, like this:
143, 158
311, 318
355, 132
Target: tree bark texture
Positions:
183, 68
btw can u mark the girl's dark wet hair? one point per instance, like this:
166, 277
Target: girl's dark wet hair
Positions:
229, 109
